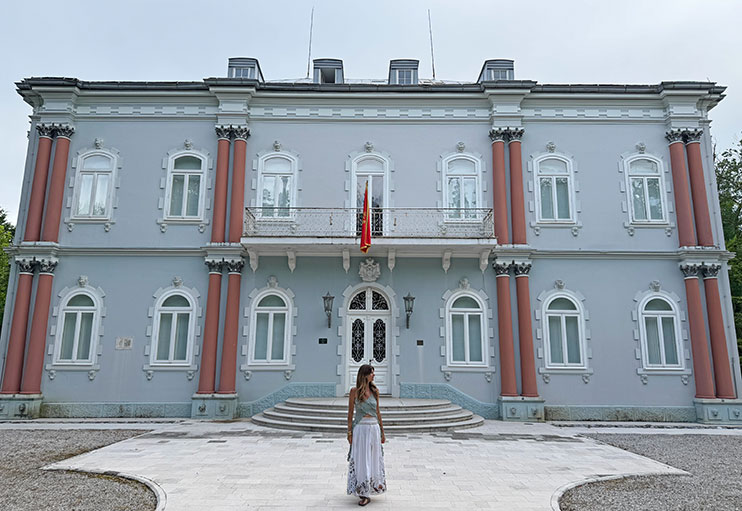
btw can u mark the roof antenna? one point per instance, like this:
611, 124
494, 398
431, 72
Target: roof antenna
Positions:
311, 27
432, 57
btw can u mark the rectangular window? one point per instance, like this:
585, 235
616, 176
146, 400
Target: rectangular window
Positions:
404, 76
457, 338
564, 340
276, 196
184, 195
475, 338
163, 337
92, 198
646, 199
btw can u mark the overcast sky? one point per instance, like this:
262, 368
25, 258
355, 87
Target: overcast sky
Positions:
551, 41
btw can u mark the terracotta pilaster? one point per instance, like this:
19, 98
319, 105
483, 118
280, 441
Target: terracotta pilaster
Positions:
698, 188
207, 373
719, 352
220, 185
56, 186
237, 204
698, 340
517, 199
686, 235
499, 185
37, 340
231, 328
505, 330
18, 329
529, 388
38, 185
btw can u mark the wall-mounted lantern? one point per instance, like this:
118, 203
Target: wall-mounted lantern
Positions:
327, 299
409, 301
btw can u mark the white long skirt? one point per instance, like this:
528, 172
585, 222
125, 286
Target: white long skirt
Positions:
366, 475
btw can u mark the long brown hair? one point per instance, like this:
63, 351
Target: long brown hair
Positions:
362, 383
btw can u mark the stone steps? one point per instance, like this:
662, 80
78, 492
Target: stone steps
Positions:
398, 415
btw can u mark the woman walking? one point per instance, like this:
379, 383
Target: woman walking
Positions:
366, 474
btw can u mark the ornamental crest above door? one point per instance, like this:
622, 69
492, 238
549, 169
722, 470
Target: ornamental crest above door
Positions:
370, 270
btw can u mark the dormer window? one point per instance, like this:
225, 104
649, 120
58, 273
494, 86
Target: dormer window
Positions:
244, 67
498, 69
328, 71
403, 72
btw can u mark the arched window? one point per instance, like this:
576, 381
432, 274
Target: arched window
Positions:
462, 187
79, 319
93, 186
185, 183
465, 331
564, 334
175, 327
370, 169
554, 197
659, 333
277, 175
647, 190
270, 328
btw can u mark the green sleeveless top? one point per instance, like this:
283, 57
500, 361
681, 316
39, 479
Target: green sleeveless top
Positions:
361, 408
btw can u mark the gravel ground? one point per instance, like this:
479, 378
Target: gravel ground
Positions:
715, 483
24, 487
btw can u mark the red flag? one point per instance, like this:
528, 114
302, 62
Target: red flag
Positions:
366, 225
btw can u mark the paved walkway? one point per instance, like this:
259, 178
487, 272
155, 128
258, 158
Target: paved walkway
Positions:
239, 465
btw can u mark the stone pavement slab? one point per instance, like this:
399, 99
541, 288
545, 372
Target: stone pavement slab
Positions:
239, 465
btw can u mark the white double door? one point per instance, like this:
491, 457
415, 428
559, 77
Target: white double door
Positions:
367, 338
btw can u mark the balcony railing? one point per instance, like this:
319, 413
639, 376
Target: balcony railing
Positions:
385, 222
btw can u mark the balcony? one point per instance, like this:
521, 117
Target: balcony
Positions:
386, 223
405, 231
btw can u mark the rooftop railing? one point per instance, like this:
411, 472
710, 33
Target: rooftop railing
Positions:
385, 222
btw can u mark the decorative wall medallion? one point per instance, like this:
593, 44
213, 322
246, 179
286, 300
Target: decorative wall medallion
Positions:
546, 378
641, 147
550, 146
248, 375
631, 230
684, 379
52, 374
188, 144
190, 375
82, 280
370, 270
107, 226
288, 373
201, 408
488, 377
163, 227
644, 378
668, 231
98, 143
536, 230
575, 231
447, 375
70, 226
201, 227
586, 378
464, 283
368, 146
91, 375
460, 147
272, 282
559, 284
655, 285
150, 374
276, 145
177, 281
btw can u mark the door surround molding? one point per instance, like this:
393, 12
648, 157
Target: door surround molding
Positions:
393, 348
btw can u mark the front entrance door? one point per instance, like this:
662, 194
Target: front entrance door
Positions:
367, 337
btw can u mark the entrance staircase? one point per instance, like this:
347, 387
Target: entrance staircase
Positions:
398, 415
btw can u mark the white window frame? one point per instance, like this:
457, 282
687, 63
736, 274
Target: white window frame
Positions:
399, 72
287, 332
482, 311
384, 172
59, 333
158, 310
293, 183
202, 186
629, 197
580, 314
673, 313
80, 172
477, 174
570, 187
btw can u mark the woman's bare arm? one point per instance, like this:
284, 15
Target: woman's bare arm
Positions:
378, 416
351, 402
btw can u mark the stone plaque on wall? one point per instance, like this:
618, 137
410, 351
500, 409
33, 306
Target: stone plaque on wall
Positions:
124, 343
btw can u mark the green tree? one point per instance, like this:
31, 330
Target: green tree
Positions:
729, 182
7, 231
